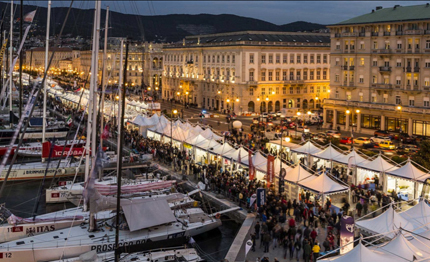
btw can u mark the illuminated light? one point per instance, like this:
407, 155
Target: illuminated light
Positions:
298, 113
258, 99
309, 112
399, 108
347, 111
178, 93
186, 92
175, 111
219, 92
237, 99
228, 100
329, 90
357, 111
316, 98
267, 98
117, 97
273, 92
287, 139
149, 88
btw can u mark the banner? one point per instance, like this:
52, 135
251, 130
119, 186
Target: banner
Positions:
346, 234
261, 196
251, 166
58, 150
105, 134
248, 246
252, 200
270, 170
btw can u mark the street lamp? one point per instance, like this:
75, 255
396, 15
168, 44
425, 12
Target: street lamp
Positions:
171, 127
281, 177
399, 108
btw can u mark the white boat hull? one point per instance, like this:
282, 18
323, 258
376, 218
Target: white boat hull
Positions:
32, 171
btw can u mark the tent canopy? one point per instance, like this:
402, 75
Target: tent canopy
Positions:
296, 174
235, 155
419, 214
409, 171
386, 222
360, 253
329, 153
258, 161
307, 148
322, 184
352, 157
401, 248
222, 149
379, 164
209, 134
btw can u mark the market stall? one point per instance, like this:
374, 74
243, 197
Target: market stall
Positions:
324, 158
305, 151
351, 161
367, 171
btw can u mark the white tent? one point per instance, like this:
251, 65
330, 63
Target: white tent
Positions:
352, 157
379, 164
402, 249
207, 144
222, 149
209, 134
422, 242
296, 174
307, 148
196, 140
360, 253
418, 214
322, 184
409, 171
329, 153
139, 120
234, 154
386, 222
258, 161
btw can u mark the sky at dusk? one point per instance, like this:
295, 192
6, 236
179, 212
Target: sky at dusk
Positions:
277, 12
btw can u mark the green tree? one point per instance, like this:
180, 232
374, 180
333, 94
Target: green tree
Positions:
423, 155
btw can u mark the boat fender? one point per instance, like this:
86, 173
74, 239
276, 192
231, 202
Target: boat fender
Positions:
218, 216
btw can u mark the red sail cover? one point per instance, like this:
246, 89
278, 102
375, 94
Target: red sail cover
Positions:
56, 153
270, 170
251, 166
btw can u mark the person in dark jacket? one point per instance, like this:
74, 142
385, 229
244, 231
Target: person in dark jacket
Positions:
307, 250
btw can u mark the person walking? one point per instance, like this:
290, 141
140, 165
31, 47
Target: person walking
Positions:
307, 250
257, 230
316, 251
266, 241
297, 247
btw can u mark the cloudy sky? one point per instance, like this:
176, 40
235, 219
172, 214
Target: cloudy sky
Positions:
277, 12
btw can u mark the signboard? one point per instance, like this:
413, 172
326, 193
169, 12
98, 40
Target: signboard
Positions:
346, 234
154, 106
261, 196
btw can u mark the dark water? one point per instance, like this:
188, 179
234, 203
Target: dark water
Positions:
20, 198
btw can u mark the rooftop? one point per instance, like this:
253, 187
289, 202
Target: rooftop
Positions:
395, 13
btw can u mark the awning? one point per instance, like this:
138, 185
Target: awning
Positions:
409, 171
379, 164
322, 184
352, 157
329, 153
360, 253
307, 148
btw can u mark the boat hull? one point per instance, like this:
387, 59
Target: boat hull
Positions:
25, 172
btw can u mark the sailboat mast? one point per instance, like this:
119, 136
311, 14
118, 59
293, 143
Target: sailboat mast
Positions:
120, 84
121, 141
95, 73
48, 22
20, 59
11, 62
102, 106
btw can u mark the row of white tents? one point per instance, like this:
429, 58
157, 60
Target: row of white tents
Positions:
207, 142
379, 165
407, 234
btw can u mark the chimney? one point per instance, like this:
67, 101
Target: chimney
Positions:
378, 7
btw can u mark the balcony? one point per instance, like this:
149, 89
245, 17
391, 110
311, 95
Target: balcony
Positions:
414, 32
398, 86
252, 83
385, 69
382, 86
399, 32
412, 88
375, 34
399, 50
351, 67
416, 69
345, 67
427, 32
384, 51
362, 34
336, 35
417, 51
349, 34
387, 33
407, 69
427, 50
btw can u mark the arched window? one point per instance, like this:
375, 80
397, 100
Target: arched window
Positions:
263, 107
270, 106
305, 104
311, 104
277, 106
251, 106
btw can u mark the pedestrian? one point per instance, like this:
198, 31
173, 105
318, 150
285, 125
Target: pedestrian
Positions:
359, 207
266, 241
257, 230
316, 251
297, 247
307, 250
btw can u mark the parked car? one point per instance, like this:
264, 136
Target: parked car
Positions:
405, 138
382, 133
255, 120
264, 115
333, 133
278, 114
387, 145
346, 140
319, 136
409, 148
361, 140
379, 139
370, 145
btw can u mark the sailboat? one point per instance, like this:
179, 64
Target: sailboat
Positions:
159, 255
17, 227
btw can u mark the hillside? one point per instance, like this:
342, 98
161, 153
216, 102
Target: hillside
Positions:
167, 28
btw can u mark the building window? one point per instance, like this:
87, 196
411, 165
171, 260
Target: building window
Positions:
361, 79
375, 45
362, 61
228, 59
305, 90
270, 59
298, 77
263, 59
311, 77
298, 58
426, 82
263, 91
324, 89
263, 76
324, 59
291, 58
318, 89
284, 75
427, 64
311, 89
375, 63
427, 44
233, 59
370, 121
217, 58
336, 95
291, 91
325, 75
291, 75
318, 75
284, 90
337, 46
374, 79
362, 46
312, 59
278, 59
411, 102
426, 102
270, 76
305, 74
336, 78
222, 59
298, 90
318, 59
284, 59
251, 58
277, 75
305, 59
251, 75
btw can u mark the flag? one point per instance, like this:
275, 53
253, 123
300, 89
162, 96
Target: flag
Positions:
248, 246
346, 234
270, 170
251, 166
105, 134
69, 120
29, 17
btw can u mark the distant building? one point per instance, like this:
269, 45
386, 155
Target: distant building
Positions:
249, 71
153, 66
36, 57
380, 72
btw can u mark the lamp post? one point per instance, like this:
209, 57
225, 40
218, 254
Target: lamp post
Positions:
298, 116
174, 112
399, 108
281, 175
357, 111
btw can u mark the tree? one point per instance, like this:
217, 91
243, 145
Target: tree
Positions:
423, 155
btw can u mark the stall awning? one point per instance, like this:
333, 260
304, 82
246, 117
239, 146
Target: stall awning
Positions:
360, 253
322, 184
379, 164
352, 158
307, 148
409, 171
329, 153
296, 174
402, 249
420, 214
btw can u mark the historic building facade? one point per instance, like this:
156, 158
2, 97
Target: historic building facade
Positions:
380, 72
249, 71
